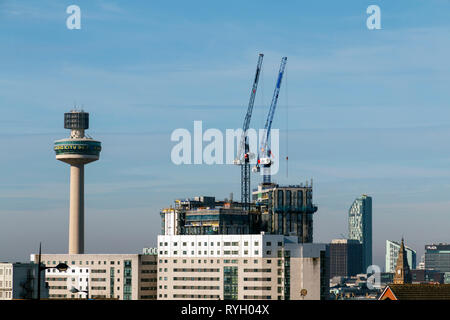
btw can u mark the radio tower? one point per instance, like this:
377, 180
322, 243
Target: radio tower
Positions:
77, 151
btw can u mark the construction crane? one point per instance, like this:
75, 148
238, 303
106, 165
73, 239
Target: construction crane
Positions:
243, 157
264, 150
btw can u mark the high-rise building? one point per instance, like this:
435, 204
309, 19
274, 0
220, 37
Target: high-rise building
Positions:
437, 257
360, 226
283, 210
392, 249
345, 258
77, 151
243, 267
286, 210
20, 281
102, 276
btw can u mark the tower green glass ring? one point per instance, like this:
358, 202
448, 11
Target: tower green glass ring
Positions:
77, 150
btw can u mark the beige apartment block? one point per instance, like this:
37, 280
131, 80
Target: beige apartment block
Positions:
102, 276
241, 267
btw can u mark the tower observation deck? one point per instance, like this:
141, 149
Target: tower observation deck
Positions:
77, 151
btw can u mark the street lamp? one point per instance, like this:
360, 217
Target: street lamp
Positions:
59, 267
75, 290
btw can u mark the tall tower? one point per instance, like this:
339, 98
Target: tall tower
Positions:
77, 151
360, 226
402, 273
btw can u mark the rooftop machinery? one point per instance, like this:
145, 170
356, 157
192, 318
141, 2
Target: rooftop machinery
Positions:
264, 151
243, 157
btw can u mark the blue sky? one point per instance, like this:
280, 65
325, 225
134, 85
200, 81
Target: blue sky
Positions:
367, 112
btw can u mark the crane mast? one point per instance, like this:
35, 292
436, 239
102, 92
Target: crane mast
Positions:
265, 160
243, 156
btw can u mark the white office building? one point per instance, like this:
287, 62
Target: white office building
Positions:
392, 249
241, 267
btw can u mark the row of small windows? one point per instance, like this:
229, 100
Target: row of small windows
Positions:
258, 297
205, 252
225, 244
258, 279
193, 296
81, 262
196, 270
197, 287
255, 261
258, 288
196, 279
8, 284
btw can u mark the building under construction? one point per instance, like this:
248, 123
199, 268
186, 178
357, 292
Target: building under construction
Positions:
275, 209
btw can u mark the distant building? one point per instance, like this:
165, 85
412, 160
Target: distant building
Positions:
402, 273
346, 258
360, 226
20, 281
241, 267
421, 265
104, 276
427, 276
404, 289
437, 257
392, 249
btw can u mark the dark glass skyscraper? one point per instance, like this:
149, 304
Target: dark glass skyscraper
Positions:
360, 226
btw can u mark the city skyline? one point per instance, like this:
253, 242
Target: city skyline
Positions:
367, 114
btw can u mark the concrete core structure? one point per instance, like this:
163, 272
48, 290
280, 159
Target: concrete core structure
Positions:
77, 151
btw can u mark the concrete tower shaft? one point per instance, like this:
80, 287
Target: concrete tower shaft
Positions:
77, 151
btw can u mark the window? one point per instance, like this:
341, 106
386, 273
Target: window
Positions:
268, 244
299, 199
280, 198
